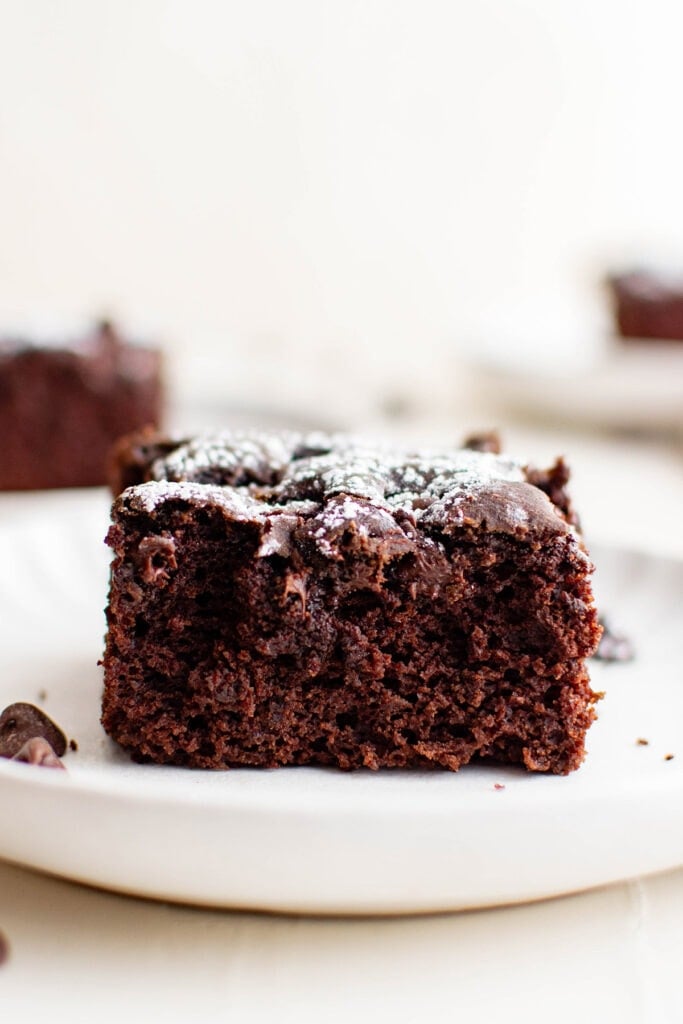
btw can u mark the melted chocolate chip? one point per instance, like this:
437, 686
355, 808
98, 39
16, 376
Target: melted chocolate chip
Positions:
21, 722
4, 950
38, 751
158, 558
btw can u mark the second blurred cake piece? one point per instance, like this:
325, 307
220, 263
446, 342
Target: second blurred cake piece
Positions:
64, 403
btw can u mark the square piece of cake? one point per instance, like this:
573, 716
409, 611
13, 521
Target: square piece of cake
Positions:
647, 304
290, 600
64, 402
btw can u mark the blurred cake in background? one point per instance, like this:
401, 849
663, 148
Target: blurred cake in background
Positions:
63, 403
647, 304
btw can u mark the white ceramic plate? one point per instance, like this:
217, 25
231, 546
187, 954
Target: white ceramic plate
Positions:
630, 386
314, 840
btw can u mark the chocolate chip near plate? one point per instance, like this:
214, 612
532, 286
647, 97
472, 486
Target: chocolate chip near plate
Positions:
38, 751
613, 646
22, 722
4, 950
484, 441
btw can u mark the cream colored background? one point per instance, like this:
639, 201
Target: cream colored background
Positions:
316, 176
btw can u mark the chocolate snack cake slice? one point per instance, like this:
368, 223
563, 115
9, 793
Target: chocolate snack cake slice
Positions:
290, 600
647, 304
64, 402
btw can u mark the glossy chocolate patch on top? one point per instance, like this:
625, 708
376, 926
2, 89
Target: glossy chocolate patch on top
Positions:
22, 722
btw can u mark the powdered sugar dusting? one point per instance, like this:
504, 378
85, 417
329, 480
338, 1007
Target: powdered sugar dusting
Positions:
276, 480
238, 502
228, 457
318, 466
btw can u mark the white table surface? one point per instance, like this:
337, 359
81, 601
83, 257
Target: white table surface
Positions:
610, 955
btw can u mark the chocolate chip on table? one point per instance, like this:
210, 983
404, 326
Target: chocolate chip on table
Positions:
38, 751
484, 441
21, 722
613, 646
4, 950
